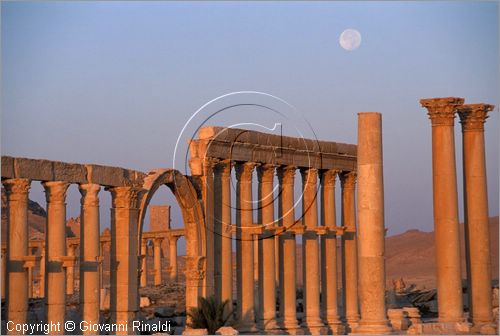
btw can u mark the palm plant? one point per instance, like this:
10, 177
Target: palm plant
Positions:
210, 314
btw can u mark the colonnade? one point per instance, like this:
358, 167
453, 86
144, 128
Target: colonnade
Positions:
442, 112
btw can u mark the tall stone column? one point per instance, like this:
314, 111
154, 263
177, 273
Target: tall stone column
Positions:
207, 180
245, 247
17, 248
329, 254
55, 294
157, 260
90, 291
224, 250
70, 272
173, 257
349, 251
371, 229
144, 263
124, 262
4, 270
288, 276
449, 280
310, 252
267, 268
477, 232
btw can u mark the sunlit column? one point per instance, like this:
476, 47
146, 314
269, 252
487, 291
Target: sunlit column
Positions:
173, 257
441, 111
144, 263
157, 260
70, 271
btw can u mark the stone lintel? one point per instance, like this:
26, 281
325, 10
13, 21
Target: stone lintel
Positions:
46, 170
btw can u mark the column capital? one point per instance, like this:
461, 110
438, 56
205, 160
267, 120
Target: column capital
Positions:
286, 174
328, 177
309, 175
208, 165
223, 168
265, 173
473, 116
89, 193
441, 111
55, 191
244, 171
16, 188
158, 240
125, 197
348, 179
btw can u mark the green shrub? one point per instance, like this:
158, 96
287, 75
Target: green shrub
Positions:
210, 314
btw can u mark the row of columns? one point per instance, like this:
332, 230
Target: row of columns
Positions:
157, 259
442, 113
58, 260
261, 313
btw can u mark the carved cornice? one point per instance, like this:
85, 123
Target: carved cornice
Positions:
286, 174
441, 111
125, 197
223, 168
90, 195
265, 173
55, 191
473, 116
17, 189
348, 180
244, 171
328, 177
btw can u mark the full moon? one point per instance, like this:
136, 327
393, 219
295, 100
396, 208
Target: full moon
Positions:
350, 39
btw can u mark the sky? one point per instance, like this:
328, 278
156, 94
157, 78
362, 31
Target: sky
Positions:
114, 83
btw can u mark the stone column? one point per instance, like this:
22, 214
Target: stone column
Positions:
124, 262
30, 282
371, 229
245, 247
17, 248
70, 272
310, 253
288, 277
222, 213
329, 254
267, 268
144, 263
449, 280
41, 285
173, 257
349, 251
55, 294
477, 232
207, 181
157, 260
4, 270
90, 260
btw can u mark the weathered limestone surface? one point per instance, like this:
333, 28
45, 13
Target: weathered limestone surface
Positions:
441, 112
371, 229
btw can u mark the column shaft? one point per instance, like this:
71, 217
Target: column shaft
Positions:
70, 272
42, 276
267, 268
90, 260
157, 260
144, 264
17, 248
208, 204
55, 294
371, 229
446, 230
173, 258
477, 232
245, 246
349, 251
310, 252
288, 276
329, 254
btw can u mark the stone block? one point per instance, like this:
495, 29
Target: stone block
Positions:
70, 172
145, 302
227, 331
8, 167
241, 152
105, 176
195, 332
40, 170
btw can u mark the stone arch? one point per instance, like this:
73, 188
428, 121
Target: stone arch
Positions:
194, 225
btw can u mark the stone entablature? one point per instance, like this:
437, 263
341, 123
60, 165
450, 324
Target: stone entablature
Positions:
46, 170
252, 146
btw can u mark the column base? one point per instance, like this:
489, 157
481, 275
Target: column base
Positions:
268, 325
440, 328
313, 326
351, 323
246, 327
335, 327
484, 328
291, 327
373, 327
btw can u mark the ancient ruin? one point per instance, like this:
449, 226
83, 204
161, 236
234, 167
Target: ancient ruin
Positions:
266, 277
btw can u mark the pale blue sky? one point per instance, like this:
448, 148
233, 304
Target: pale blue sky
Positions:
113, 83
